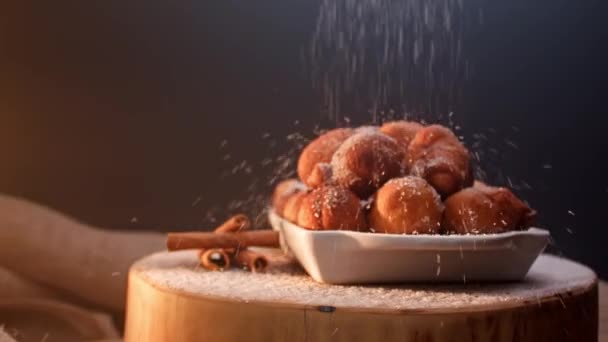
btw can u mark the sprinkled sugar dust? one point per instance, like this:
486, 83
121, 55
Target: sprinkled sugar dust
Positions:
390, 56
259, 176
395, 59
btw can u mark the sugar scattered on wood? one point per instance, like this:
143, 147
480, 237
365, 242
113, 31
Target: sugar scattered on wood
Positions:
287, 283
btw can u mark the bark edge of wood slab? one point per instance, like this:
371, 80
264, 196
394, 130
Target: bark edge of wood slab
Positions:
170, 299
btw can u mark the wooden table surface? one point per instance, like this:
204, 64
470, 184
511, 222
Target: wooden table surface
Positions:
164, 278
603, 329
603, 335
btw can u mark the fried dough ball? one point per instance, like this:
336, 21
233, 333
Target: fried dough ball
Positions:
437, 155
484, 209
292, 206
283, 191
320, 150
407, 205
402, 131
365, 161
320, 174
331, 207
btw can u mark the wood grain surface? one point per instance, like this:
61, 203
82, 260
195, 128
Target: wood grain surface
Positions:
170, 298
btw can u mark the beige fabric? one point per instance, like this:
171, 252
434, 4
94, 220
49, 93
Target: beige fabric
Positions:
13, 285
53, 269
5, 337
51, 320
57, 251
32, 312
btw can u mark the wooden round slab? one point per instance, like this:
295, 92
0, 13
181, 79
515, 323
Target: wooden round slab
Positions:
171, 298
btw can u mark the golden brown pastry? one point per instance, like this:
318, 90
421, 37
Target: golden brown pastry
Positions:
402, 131
483, 209
331, 207
365, 161
292, 206
283, 191
320, 174
437, 155
320, 150
407, 205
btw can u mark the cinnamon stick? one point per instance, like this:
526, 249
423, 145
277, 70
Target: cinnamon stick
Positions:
214, 259
254, 261
234, 224
200, 240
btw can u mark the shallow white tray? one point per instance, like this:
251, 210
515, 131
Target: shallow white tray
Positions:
347, 257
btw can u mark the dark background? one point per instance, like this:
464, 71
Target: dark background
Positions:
115, 112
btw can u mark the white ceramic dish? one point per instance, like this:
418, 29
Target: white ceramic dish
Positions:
346, 257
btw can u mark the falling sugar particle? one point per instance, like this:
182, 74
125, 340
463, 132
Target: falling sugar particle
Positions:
115, 274
438, 258
571, 213
511, 144
569, 230
198, 199
133, 219
547, 166
382, 51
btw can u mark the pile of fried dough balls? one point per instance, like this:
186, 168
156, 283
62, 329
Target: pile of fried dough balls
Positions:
399, 178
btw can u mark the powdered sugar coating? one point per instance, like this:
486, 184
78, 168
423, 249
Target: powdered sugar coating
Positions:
486, 209
367, 129
402, 131
284, 191
437, 155
367, 160
406, 205
331, 207
320, 150
288, 284
411, 182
